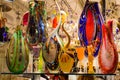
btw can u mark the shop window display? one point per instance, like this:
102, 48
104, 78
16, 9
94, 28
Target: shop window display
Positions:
62, 45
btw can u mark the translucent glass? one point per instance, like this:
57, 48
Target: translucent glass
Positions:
90, 26
36, 25
17, 57
108, 57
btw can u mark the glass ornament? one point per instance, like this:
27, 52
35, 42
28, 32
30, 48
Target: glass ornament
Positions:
90, 26
108, 56
51, 46
17, 56
36, 32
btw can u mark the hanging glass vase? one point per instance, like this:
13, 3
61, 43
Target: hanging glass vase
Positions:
17, 56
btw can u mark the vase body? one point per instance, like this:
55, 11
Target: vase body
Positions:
50, 55
17, 57
36, 23
108, 57
90, 26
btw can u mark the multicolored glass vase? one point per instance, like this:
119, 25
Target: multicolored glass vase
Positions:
36, 25
90, 26
50, 49
17, 57
50, 55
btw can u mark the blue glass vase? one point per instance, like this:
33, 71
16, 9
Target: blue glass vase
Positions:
36, 26
90, 26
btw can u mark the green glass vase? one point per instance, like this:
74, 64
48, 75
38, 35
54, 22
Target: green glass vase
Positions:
17, 57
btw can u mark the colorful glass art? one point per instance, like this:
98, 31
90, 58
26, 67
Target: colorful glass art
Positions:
3, 30
36, 25
90, 59
90, 26
80, 52
55, 22
66, 56
50, 54
108, 56
17, 57
51, 48
41, 64
25, 19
